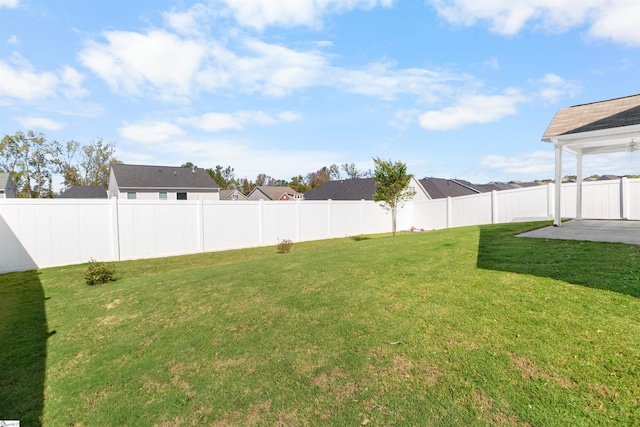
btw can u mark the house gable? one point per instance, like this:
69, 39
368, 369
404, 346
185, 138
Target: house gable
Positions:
161, 182
8, 188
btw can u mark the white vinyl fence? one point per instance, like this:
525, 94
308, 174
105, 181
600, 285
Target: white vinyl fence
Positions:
56, 232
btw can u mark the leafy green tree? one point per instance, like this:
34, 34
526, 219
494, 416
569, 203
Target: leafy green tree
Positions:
392, 186
85, 164
245, 186
31, 160
224, 177
96, 162
297, 183
333, 171
352, 171
317, 178
264, 179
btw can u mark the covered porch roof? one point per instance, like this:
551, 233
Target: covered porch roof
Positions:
600, 127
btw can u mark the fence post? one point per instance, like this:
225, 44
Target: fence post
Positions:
329, 218
115, 230
449, 213
298, 220
361, 216
624, 198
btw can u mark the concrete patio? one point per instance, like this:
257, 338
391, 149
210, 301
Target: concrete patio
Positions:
594, 230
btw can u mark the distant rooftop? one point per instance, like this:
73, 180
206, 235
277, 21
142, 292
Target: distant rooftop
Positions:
84, 192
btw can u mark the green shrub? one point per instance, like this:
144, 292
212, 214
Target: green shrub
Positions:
99, 272
284, 246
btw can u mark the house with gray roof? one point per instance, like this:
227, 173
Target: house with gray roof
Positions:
269, 192
8, 188
232, 195
84, 192
161, 183
357, 189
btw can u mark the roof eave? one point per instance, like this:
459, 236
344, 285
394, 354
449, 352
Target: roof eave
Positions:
611, 140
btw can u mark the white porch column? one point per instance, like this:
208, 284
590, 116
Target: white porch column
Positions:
579, 188
557, 219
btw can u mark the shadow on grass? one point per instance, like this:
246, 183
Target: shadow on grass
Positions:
360, 238
609, 266
23, 334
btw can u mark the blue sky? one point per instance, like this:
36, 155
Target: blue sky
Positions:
455, 89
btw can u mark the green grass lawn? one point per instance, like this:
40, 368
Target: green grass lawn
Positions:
468, 326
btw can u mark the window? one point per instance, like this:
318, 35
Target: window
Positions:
181, 196
131, 195
163, 195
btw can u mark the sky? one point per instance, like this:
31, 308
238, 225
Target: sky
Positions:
454, 89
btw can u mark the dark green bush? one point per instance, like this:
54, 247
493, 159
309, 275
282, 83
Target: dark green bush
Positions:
99, 272
284, 246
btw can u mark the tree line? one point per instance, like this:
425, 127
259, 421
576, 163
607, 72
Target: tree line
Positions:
33, 161
226, 178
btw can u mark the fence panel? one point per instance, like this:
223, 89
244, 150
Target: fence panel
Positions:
230, 225
471, 210
430, 215
150, 229
50, 232
530, 202
279, 221
54, 232
601, 200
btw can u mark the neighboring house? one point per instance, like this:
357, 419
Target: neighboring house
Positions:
266, 192
8, 188
439, 188
161, 183
84, 192
232, 195
357, 189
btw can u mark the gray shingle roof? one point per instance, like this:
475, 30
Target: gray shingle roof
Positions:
84, 192
608, 114
346, 189
162, 177
439, 188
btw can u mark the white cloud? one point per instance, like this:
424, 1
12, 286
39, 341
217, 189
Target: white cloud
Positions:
174, 68
40, 123
403, 119
616, 20
22, 81
288, 13
150, 132
383, 80
551, 88
215, 122
473, 109
9, 4
71, 83
540, 164
13, 40
132, 63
